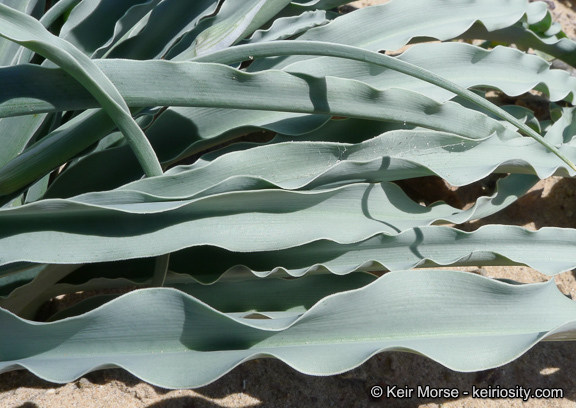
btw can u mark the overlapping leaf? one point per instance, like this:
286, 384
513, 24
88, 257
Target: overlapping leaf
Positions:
418, 247
26, 31
504, 68
436, 19
321, 208
249, 296
158, 334
248, 86
395, 155
424, 246
101, 227
558, 46
36, 89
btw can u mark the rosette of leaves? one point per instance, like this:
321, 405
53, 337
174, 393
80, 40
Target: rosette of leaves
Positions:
123, 164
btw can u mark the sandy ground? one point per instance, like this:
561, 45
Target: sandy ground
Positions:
271, 383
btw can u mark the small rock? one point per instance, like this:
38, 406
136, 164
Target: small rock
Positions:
83, 383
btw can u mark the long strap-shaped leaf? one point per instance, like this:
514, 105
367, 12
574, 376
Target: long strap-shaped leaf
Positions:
40, 89
33, 89
507, 69
92, 228
418, 247
394, 155
422, 246
28, 32
557, 46
263, 295
173, 340
388, 27
328, 97
250, 51
55, 12
235, 20
268, 90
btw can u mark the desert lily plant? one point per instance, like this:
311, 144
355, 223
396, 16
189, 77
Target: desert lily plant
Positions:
122, 166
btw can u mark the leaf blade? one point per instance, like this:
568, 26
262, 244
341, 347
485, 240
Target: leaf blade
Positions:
353, 325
